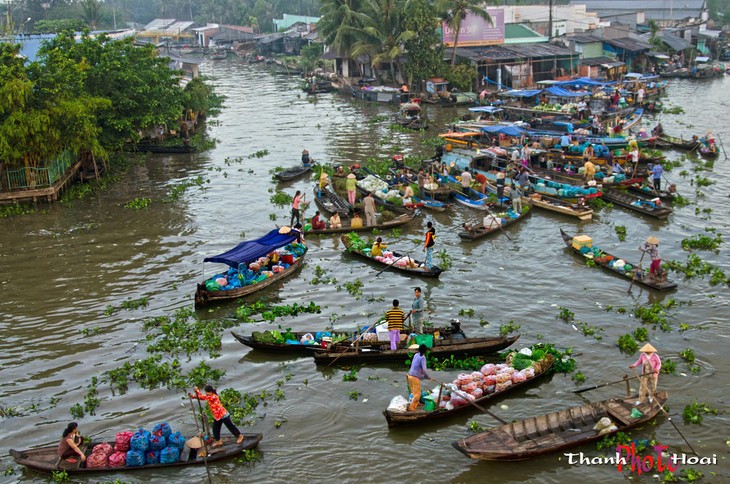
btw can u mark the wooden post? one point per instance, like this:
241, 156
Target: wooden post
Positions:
628, 387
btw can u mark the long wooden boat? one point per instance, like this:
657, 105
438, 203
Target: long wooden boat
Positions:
330, 202
45, 459
644, 279
557, 205
459, 347
293, 172
636, 203
681, 143
395, 208
650, 193
430, 203
399, 220
420, 270
709, 154
306, 349
479, 231
419, 416
252, 250
557, 431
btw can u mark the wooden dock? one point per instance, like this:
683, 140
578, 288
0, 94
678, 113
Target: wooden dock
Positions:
47, 194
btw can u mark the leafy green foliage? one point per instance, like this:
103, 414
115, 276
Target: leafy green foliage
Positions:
627, 344
688, 355
138, 203
507, 328
475, 427
565, 314
621, 232
702, 242
351, 375
694, 412
444, 259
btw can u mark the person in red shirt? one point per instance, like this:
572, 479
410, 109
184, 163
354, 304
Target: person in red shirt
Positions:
482, 181
220, 414
317, 222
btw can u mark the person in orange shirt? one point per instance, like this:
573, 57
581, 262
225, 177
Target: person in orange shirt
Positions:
220, 414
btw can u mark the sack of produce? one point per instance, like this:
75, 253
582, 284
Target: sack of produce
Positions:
518, 377
157, 442
118, 459
490, 389
135, 458
602, 424
210, 285
398, 404
103, 448
97, 460
140, 441
176, 440
503, 386
488, 369
152, 457
121, 441
610, 429
169, 455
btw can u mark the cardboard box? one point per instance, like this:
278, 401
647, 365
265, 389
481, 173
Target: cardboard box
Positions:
580, 241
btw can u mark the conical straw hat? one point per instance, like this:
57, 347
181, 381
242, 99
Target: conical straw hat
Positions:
652, 240
647, 348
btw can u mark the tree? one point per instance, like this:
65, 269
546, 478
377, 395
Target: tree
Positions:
455, 11
654, 39
91, 12
339, 24
424, 52
383, 35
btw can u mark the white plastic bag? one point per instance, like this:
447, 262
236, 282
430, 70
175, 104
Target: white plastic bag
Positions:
398, 404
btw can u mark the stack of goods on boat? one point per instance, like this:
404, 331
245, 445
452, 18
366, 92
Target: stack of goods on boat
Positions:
161, 446
584, 244
379, 188
258, 270
562, 190
319, 338
356, 244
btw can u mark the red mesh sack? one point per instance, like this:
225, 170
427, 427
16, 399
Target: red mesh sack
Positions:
118, 459
121, 443
103, 448
97, 460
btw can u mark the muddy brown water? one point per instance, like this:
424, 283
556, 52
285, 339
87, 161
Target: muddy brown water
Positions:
62, 268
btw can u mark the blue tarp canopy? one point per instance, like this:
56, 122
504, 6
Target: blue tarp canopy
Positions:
508, 130
559, 91
521, 92
584, 81
250, 250
485, 109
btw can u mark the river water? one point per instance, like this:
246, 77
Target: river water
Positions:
62, 268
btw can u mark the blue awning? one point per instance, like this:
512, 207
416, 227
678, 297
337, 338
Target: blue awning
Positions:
249, 251
521, 92
584, 81
559, 91
508, 130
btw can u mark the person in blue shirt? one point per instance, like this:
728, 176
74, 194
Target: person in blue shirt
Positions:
565, 142
415, 375
656, 172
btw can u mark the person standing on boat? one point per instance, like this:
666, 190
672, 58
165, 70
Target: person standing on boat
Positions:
634, 154
500, 186
417, 308
296, 203
68, 447
324, 180
220, 414
305, 157
466, 180
368, 204
589, 171
656, 172
515, 195
640, 97
395, 319
651, 247
351, 187
651, 365
581, 107
428, 245
421, 182
415, 375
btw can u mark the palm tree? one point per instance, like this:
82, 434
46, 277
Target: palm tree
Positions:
339, 22
454, 12
91, 12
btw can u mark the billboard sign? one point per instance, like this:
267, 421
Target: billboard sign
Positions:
476, 31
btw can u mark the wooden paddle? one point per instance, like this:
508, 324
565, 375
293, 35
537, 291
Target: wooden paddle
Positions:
581, 390
202, 439
638, 269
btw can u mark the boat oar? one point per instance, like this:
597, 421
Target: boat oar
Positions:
390, 265
669, 417
581, 390
722, 146
498, 225
202, 439
638, 269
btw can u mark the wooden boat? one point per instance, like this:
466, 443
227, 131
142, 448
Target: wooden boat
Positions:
251, 251
419, 270
318, 87
410, 116
431, 203
561, 206
399, 220
650, 193
681, 143
149, 148
257, 59
387, 205
419, 416
330, 202
709, 153
306, 349
293, 172
381, 352
219, 54
557, 431
45, 459
479, 231
636, 203
643, 278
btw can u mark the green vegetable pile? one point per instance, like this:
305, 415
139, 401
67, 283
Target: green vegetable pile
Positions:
563, 363
272, 336
356, 243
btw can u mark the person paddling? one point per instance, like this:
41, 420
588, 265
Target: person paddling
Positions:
651, 365
220, 414
415, 375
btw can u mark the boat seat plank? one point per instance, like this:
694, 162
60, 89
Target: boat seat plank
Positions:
530, 427
185, 454
618, 412
576, 416
542, 425
553, 422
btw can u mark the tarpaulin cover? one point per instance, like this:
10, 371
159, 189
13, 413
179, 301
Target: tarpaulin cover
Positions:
559, 91
584, 81
251, 250
485, 109
508, 130
521, 92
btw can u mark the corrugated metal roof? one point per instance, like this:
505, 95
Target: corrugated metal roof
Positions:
159, 24
584, 38
675, 42
597, 61
178, 27
629, 44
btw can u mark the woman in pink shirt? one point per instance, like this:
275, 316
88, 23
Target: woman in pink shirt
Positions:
298, 199
651, 364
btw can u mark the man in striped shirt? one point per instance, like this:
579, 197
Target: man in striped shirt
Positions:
395, 318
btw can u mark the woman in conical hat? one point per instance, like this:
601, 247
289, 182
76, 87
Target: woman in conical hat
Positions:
651, 247
651, 364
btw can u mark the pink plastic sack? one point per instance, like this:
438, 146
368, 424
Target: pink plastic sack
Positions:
488, 369
103, 448
118, 459
121, 442
97, 460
